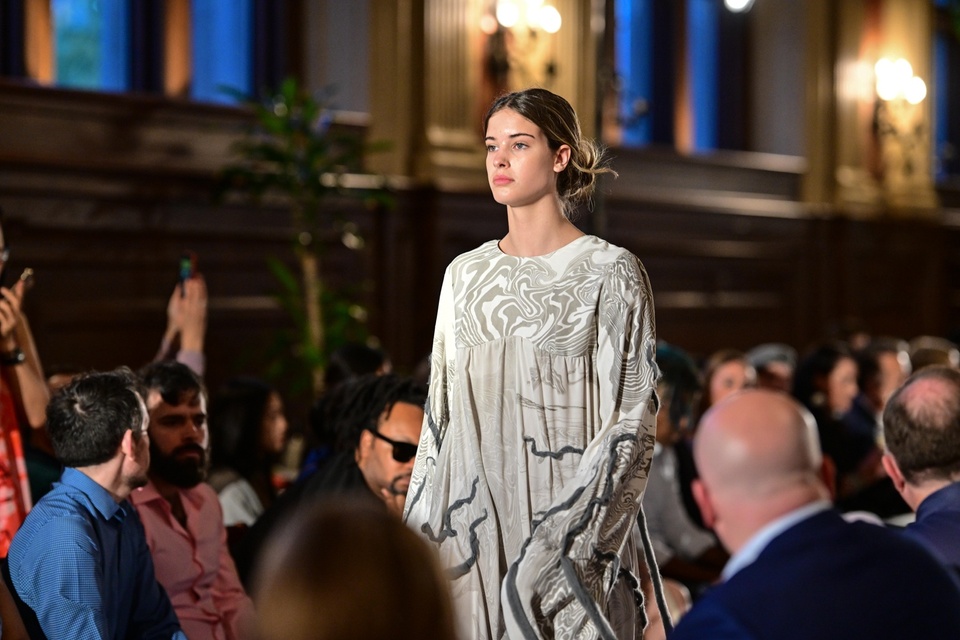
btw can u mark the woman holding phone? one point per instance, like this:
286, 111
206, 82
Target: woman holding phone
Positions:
23, 398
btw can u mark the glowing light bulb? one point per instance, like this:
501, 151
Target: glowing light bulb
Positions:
738, 6
916, 90
549, 19
508, 13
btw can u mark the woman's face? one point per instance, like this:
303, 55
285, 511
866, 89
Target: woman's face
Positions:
729, 378
521, 167
274, 425
842, 386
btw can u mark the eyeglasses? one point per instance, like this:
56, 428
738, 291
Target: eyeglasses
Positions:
402, 451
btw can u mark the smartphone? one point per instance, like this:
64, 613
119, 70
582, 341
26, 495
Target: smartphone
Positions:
188, 268
26, 276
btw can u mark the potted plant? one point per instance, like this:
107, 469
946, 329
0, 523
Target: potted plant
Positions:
297, 154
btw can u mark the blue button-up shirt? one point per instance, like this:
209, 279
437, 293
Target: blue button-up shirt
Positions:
80, 561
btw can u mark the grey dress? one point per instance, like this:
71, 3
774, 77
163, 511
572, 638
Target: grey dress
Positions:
537, 440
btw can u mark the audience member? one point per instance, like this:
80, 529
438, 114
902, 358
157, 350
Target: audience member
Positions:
378, 420
825, 382
23, 398
882, 367
683, 550
353, 360
921, 426
725, 372
926, 351
80, 563
347, 362
186, 330
774, 363
798, 569
248, 432
348, 571
181, 514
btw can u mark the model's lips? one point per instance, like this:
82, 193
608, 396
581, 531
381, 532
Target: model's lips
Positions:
501, 180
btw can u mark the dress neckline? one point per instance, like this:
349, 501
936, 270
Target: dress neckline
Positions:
544, 256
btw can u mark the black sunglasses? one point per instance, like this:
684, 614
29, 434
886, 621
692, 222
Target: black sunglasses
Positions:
402, 451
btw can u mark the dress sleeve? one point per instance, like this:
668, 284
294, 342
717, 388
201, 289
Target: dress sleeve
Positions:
559, 585
437, 411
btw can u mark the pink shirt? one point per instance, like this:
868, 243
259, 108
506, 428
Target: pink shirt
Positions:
194, 565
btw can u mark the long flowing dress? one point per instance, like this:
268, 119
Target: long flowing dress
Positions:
537, 440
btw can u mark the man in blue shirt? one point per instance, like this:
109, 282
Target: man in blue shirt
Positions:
80, 561
921, 427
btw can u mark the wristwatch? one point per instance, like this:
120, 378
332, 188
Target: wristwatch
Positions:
14, 357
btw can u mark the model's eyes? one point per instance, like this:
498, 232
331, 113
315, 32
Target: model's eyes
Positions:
520, 145
491, 148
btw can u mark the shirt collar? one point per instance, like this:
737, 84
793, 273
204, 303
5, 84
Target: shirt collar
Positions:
145, 494
943, 498
759, 541
100, 498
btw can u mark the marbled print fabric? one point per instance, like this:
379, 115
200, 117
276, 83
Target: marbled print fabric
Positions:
538, 440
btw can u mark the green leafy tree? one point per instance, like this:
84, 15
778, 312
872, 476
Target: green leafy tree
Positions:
296, 151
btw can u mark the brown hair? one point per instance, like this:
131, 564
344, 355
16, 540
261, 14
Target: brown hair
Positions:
559, 123
923, 434
350, 571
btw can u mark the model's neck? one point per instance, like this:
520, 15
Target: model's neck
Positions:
536, 233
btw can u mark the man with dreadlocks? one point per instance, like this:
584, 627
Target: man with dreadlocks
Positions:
377, 420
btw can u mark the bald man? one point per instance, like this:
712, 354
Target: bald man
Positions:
921, 425
798, 569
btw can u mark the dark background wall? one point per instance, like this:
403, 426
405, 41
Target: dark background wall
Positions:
101, 196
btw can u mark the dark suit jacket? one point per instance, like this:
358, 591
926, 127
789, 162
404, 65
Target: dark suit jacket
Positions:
938, 525
825, 578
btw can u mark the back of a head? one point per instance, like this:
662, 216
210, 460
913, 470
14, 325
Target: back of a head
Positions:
680, 378
172, 380
235, 421
353, 360
559, 123
350, 571
927, 351
921, 425
87, 419
758, 444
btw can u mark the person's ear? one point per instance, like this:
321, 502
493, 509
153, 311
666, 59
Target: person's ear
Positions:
363, 446
701, 496
562, 158
893, 470
828, 474
128, 444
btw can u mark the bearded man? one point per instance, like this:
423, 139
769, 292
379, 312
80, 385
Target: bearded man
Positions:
181, 514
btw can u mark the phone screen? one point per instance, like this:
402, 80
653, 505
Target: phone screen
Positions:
188, 266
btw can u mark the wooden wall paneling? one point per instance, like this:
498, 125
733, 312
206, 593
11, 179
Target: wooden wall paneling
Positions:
894, 272
718, 279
